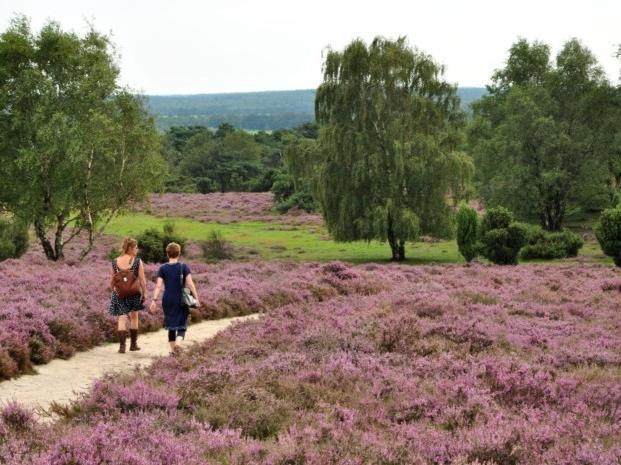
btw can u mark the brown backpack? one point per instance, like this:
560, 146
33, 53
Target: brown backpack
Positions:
125, 282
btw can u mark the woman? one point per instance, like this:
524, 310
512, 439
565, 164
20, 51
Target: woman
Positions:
175, 313
129, 306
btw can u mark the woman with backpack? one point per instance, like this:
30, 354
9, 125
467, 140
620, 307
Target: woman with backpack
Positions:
175, 276
129, 287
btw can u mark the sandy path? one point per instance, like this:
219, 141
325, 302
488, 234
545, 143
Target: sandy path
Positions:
61, 380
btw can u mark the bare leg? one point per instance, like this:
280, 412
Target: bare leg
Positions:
134, 320
122, 323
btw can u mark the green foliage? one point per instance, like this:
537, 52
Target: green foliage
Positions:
468, 232
13, 239
608, 233
542, 244
496, 218
389, 133
282, 188
74, 146
152, 243
302, 200
501, 236
547, 138
216, 247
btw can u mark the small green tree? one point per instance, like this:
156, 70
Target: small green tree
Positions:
74, 146
501, 236
390, 127
608, 233
468, 232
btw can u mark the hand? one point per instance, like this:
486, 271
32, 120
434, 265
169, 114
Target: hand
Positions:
198, 303
152, 308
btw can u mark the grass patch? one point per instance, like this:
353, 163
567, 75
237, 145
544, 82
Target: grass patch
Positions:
269, 241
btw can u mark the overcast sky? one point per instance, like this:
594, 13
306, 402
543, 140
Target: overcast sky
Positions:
187, 46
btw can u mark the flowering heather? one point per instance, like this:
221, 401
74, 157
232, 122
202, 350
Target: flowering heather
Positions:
52, 310
441, 365
228, 207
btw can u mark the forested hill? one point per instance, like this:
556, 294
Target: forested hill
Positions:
250, 110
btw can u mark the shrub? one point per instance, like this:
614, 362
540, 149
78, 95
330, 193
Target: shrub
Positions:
216, 247
608, 233
547, 245
501, 236
302, 200
496, 218
152, 243
13, 239
282, 187
468, 232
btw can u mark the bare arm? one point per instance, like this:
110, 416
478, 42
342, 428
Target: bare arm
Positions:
156, 293
158, 286
112, 280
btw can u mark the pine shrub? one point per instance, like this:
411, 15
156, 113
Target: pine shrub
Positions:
541, 244
501, 236
468, 232
608, 233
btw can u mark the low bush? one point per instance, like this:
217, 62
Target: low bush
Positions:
608, 233
13, 239
501, 236
541, 244
302, 200
217, 247
152, 243
468, 232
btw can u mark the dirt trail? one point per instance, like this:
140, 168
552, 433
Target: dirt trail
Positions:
61, 380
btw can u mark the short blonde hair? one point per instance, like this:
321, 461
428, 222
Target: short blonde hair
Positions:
173, 250
128, 244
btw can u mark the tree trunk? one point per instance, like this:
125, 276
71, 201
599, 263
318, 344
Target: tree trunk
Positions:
52, 252
553, 215
397, 246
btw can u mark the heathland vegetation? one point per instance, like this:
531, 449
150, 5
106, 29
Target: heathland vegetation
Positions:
352, 361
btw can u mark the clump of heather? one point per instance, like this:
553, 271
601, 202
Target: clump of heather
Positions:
439, 365
52, 310
227, 207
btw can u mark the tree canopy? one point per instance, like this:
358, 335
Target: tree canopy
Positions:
546, 138
74, 146
390, 128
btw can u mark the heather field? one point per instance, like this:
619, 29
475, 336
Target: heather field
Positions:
54, 309
367, 365
226, 207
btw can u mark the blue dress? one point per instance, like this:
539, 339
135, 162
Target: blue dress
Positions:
119, 306
175, 314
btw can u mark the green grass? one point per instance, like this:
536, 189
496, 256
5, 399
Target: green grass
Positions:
272, 241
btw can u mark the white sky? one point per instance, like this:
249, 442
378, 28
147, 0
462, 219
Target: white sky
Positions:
192, 46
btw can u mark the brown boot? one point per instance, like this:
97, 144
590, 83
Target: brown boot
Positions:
122, 338
133, 335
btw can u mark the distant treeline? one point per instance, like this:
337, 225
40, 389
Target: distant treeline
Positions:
259, 111
228, 159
